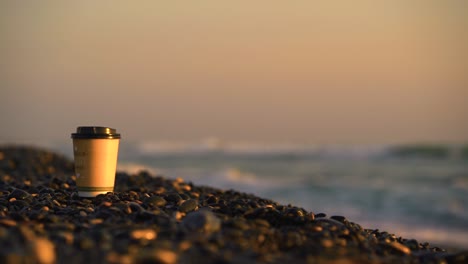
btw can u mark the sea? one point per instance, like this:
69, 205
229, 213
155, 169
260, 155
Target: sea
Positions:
415, 191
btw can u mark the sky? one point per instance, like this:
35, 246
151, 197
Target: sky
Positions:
321, 72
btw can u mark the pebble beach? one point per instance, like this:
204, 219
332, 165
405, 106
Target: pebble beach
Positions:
152, 219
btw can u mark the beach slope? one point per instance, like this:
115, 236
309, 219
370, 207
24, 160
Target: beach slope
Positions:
152, 219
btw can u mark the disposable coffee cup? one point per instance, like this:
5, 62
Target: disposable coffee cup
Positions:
95, 151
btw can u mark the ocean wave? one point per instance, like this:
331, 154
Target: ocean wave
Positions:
217, 146
214, 145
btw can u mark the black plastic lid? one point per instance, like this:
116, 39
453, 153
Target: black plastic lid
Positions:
95, 132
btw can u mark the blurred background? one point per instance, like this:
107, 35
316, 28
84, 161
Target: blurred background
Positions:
342, 107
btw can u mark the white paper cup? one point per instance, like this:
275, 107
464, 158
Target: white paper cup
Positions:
95, 151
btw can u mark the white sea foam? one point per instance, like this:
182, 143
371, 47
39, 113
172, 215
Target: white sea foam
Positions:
210, 145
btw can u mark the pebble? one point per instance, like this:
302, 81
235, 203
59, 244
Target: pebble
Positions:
173, 198
155, 201
145, 234
202, 221
43, 250
163, 256
96, 221
327, 243
400, 248
135, 207
188, 206
7, 222
338, 218
19, 195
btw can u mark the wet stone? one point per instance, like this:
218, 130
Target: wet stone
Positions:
239, 223
135, 207
412, 244
18, 205
202, 221
338, 218
188, 206
173, 198
163, 256
43, 250
143, 234
19, 195
398, 248
212, 199
184, 196
7, 222
155, 201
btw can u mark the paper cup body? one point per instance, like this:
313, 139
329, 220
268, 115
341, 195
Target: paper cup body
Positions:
95, 164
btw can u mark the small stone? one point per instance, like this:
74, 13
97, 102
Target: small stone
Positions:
188, 206
43, 250
96, 221
316, 228
184, 197
184, 245
341, 242
66, 237
155, 201
114, 257
262, 223
212, 199
135, 207
186, 187
240, 223
19, 194
294, 212
86, 243
327, 243
106, 204
202, 221
179, 180
178, 215
7, 222
163, 256
173, 198
145, 234
400, 248
412, 244
338, 218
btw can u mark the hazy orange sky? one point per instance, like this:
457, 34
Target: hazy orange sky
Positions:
327, 72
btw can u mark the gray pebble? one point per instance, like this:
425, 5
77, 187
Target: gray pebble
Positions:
202, 221
188, 206
19, 195
155, 201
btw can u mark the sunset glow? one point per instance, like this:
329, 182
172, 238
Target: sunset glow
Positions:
328, 72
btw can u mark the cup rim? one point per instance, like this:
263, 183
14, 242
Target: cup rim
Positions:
95, 132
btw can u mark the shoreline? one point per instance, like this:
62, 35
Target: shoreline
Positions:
152, 218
